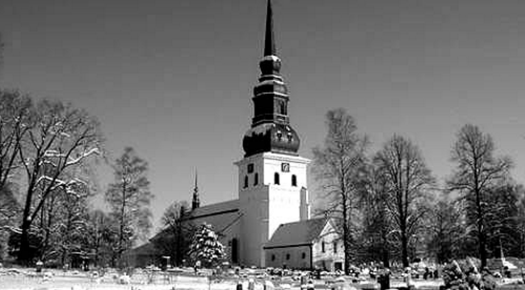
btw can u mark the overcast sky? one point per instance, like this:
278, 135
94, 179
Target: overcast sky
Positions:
174, 79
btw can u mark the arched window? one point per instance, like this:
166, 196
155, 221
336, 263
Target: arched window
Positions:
276, 178
245, 181
256, 179
294, 180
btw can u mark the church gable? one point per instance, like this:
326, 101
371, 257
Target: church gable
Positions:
328, 249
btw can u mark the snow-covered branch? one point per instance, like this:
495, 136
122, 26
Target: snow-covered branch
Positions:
82, 156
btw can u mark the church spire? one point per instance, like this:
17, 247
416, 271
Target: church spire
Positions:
269, 40
271, 130
195, 202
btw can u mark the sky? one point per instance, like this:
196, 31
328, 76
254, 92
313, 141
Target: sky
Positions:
174, 79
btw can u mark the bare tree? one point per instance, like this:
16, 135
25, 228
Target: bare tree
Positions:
15, 118
339, 167
60, 139
375, 242
477, 172
175, 238
447, 231
99, 236
409, 182
129, 198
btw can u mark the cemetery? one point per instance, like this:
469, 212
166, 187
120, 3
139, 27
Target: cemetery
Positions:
456, 275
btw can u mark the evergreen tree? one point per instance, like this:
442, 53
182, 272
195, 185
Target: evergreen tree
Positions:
206, 247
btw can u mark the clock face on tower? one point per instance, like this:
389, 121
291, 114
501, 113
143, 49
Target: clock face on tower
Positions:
285, 167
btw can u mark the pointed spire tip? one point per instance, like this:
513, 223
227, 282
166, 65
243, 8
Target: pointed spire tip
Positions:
269, 41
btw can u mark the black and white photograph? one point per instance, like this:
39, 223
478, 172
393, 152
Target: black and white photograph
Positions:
262, 145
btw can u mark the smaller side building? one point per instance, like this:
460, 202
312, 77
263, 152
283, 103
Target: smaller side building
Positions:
306, 244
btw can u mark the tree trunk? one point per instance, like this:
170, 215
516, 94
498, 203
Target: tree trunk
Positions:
24, 257
482, 247
404, 250
386, 254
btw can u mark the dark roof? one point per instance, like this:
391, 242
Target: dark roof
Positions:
215, 209
145, 249
297, 233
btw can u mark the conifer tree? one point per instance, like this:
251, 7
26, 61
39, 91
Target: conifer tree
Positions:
206, 247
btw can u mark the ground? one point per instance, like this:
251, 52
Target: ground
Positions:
28, 279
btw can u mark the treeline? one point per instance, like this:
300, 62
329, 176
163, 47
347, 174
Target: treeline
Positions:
390, 207
48, 156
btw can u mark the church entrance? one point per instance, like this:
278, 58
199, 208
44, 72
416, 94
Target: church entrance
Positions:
338, 266
234, 251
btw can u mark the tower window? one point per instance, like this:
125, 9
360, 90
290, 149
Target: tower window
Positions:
256, 179
279, 135
282, 108
246, 181
294, 180
276, 178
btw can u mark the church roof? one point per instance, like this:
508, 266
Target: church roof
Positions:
215, 209
297, 233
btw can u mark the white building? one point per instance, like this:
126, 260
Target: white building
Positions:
272, 178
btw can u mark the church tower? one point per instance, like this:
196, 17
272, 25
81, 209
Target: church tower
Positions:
272, 176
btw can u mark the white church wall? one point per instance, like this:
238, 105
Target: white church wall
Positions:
254, 224
264, 204
297, 257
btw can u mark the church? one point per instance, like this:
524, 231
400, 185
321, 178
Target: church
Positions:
269, 224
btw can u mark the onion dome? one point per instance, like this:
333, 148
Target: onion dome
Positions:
271, 137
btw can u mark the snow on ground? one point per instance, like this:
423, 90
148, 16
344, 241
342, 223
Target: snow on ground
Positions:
28, 279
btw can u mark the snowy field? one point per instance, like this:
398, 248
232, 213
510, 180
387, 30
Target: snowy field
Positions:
73, 280
27, 279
